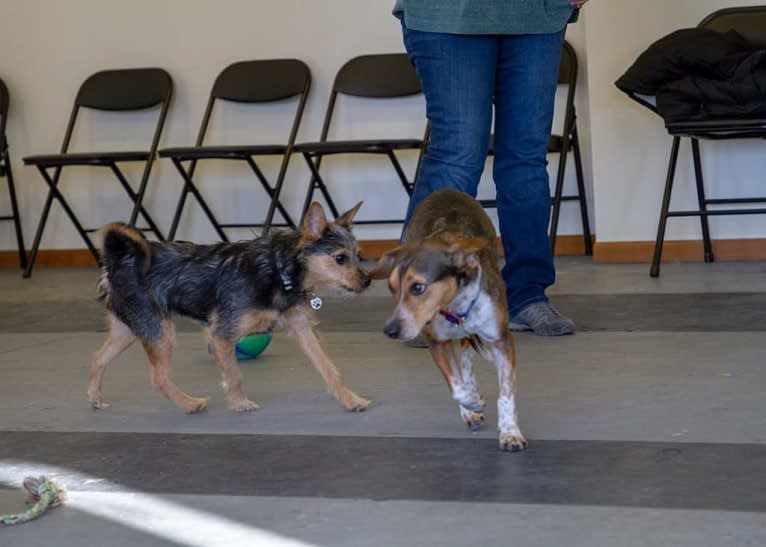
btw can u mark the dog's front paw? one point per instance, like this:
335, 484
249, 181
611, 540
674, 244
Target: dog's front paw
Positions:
468, 398
474, 420
95, 398
512, 442
195, 404
243, 405
353, 402
98, 404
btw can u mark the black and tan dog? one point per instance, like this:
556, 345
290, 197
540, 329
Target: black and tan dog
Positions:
446, 284
234, 288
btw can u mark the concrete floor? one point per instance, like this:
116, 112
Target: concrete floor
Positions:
638, 436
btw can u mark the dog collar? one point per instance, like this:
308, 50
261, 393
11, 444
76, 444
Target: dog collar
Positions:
287, 283
314, 301
459, 318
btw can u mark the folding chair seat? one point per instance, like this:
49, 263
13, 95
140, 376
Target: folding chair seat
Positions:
7, 172
121, 90
750, 23
86, 158
379, 76
560, 145
362, 146
249, 82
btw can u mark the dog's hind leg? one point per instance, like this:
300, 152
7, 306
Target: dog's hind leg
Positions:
159, 354
225, 356
504, 356
300, 325
120, 337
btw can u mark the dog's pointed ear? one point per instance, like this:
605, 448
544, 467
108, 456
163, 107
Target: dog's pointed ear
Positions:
314, 224
347, 218
465, 251
385, 265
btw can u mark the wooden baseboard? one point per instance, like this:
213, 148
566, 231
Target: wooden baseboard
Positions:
78, 258
570, 245
678, 251
51, 258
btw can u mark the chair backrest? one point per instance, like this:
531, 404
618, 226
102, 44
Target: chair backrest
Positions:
125, 89
377, 76
749, 21
568, 65
129, 89
4, 100
260, 81
568, 76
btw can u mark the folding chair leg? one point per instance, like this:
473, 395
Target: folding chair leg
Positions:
273, 193
583, 198
708, 247
126, 185
655, 269
190, 187
139, 196
316, 179
558, 192
408, 186
55, 194
15, 212
177, 214
38, 234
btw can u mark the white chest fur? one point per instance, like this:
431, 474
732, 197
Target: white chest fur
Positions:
480, 319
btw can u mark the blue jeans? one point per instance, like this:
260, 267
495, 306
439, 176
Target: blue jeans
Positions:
462, 76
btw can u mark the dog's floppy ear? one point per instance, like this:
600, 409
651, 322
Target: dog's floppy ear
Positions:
314, 224
347, 218
385, 265
465, 251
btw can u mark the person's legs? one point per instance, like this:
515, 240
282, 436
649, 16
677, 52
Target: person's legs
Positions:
525, 91
457, 74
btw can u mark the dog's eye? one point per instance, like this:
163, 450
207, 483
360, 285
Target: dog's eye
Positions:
340, 260
417, 289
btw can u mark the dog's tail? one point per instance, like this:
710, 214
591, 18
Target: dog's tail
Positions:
123, 246
125, 256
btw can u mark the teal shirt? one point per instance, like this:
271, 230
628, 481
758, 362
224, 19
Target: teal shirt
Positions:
485, 16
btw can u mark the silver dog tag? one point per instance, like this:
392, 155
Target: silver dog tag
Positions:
315, 303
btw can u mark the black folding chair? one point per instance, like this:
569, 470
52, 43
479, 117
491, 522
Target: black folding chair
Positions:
6, 171
121, 90
251, 82
379, 76
750, 23
560, 144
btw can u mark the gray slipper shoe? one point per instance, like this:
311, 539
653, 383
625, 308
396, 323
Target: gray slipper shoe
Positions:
542, 319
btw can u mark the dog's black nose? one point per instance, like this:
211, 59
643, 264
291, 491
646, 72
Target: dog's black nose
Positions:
392, 329
366, 281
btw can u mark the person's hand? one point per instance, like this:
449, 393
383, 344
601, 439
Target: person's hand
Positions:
577, 3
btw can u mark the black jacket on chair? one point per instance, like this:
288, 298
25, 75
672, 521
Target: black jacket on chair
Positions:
699, 74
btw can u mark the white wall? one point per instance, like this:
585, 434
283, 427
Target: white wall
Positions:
630, 146
48, 47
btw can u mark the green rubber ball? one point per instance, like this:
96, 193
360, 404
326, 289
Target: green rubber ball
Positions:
251, 346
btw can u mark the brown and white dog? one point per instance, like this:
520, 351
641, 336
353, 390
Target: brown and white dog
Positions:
447, 285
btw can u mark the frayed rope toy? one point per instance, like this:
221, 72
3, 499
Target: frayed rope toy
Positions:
42, 495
